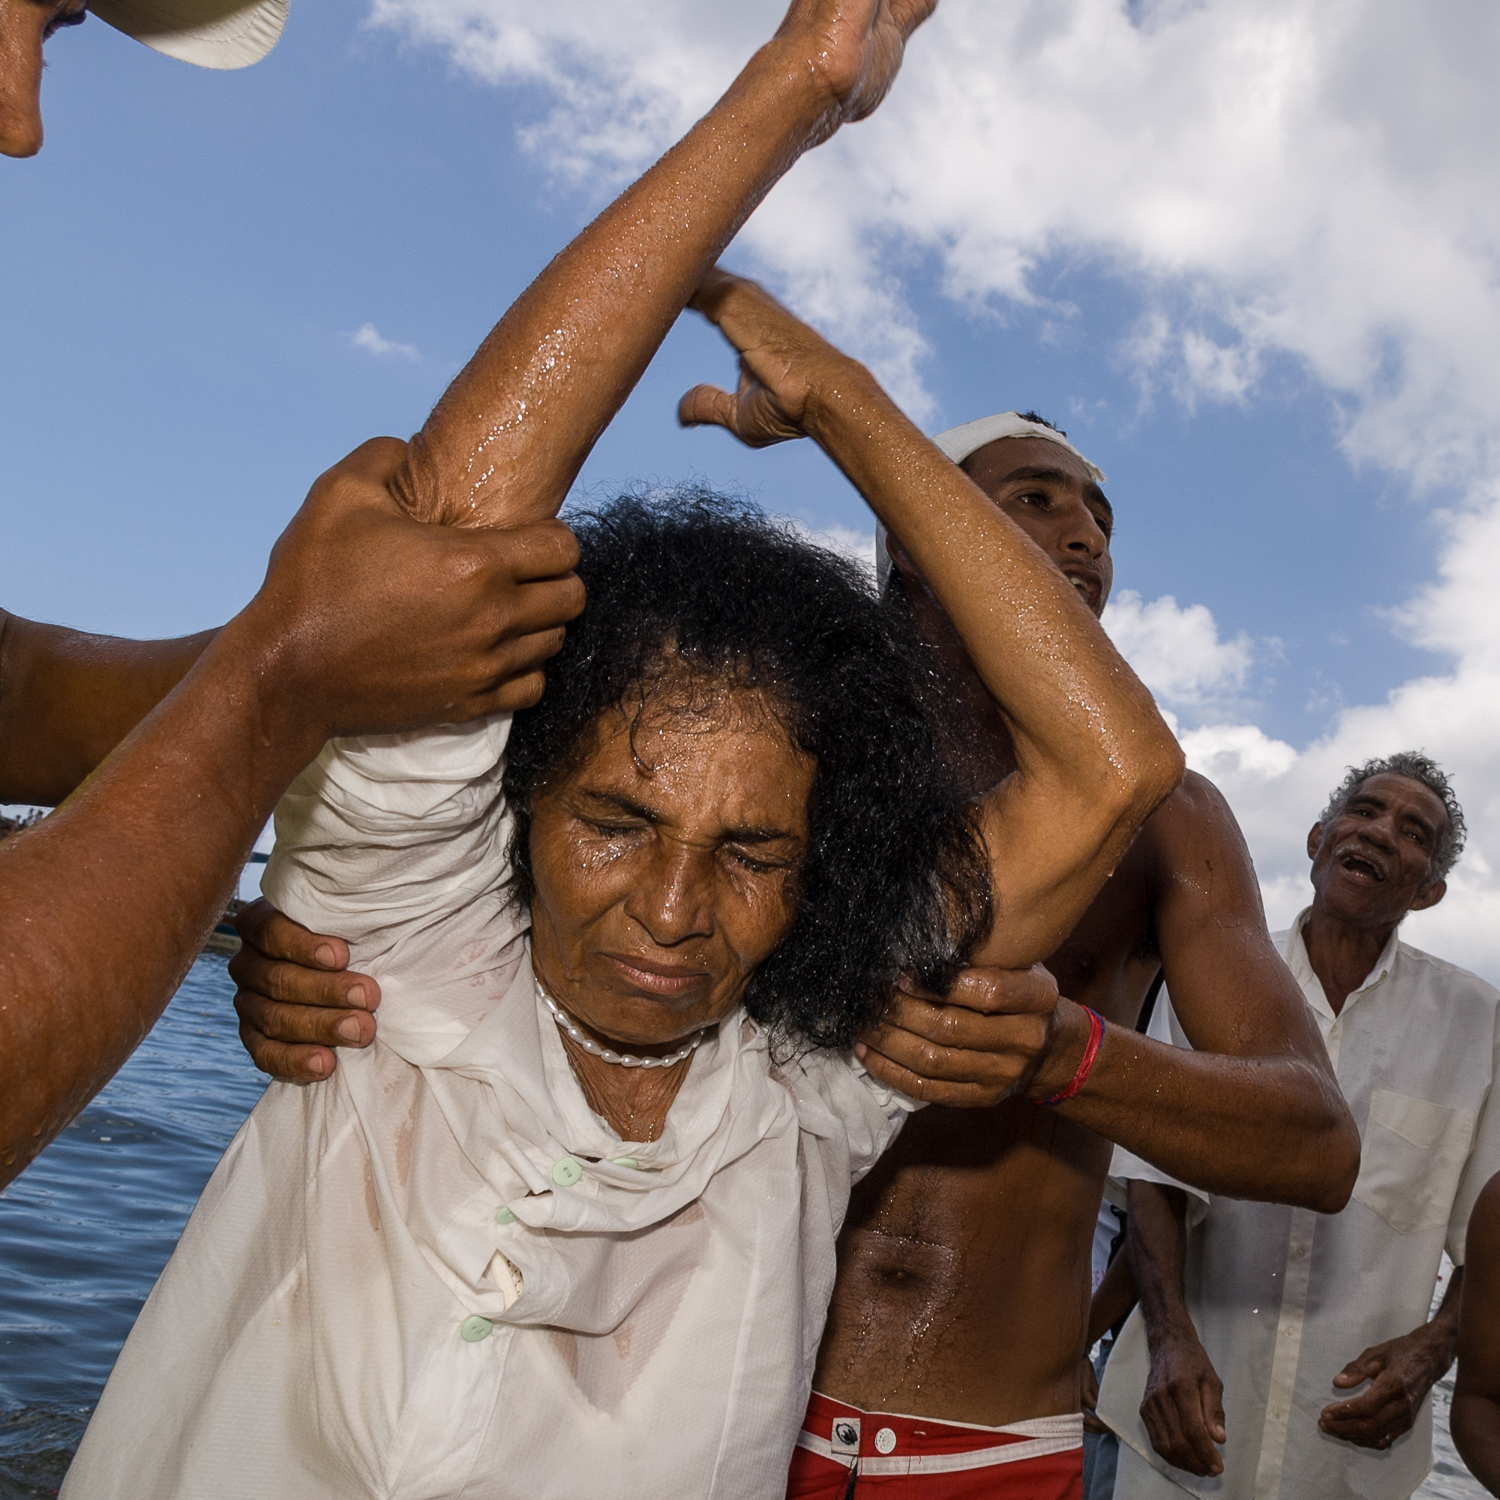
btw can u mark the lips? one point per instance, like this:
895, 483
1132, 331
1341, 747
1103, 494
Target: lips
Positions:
1089, 584
1360, 866
656, 978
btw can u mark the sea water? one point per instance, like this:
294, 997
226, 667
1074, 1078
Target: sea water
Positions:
86, 1230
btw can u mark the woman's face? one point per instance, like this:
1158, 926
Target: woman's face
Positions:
666, 870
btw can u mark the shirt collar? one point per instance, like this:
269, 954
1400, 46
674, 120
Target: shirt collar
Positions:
1312, 987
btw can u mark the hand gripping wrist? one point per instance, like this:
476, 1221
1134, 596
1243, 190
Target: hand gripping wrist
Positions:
1086, 1063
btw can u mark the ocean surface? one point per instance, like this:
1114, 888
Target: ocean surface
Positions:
84, 1233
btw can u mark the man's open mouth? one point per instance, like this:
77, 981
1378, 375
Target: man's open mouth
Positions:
1364, 869
1089, 586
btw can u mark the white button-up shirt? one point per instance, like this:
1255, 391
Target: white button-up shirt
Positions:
1283, 1298
439, 1273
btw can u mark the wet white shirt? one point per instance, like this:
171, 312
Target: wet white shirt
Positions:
439, 1273
1283, 1298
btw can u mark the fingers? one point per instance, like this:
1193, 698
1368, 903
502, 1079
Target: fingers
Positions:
1030, 991
1173, 1414
928, 1090
304, 1025
535, 551
1374, 1419
264, 928
706, 406
287, 1064
1357, 1371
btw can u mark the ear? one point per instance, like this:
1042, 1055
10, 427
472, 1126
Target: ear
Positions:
1313, 840
904, 565
1429, 895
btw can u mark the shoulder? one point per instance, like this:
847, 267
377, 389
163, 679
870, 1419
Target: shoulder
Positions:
1194, 833
1452, 980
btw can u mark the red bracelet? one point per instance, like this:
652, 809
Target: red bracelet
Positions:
1090, 1052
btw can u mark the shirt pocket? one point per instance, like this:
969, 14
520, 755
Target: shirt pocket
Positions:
1411, 1159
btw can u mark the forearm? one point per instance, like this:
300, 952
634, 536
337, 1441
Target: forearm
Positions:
1247, 1127
140, 860
509, 436
1156, 1243
1113, 1300
1093, 755
68, 698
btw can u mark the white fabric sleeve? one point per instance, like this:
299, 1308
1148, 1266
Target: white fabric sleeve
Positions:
1126, 1165
398, 844
1483, 1162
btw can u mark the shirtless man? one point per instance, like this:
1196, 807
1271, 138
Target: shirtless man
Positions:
964, 1264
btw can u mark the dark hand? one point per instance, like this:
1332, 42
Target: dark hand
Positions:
1184, 1405
295, 999
854, 47
1401, 1372
370, 622
996, 1032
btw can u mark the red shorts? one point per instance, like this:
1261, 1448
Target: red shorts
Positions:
904, 1458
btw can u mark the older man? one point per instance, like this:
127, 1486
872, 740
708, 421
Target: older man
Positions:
1253, 1317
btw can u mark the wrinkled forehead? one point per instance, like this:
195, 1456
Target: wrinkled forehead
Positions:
1406, 794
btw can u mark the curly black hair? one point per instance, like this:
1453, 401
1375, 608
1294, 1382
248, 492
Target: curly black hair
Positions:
895, 878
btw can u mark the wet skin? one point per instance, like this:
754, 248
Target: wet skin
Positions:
964, 1264
665, 867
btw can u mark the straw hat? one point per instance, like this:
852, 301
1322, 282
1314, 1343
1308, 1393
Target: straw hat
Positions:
210, 33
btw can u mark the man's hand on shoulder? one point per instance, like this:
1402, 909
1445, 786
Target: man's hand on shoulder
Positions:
296, 999
1401, 1371
995, 1033
1183, 1407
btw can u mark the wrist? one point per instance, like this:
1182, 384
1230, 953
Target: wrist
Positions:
1070, 1060
255, 680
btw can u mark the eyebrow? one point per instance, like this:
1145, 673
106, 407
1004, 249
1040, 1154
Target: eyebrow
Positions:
639, 810
1091, 491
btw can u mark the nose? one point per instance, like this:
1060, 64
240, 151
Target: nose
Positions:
1379, 831
20, 78
1081, 533
673, 901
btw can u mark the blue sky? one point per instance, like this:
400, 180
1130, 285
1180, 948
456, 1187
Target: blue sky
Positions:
189, 258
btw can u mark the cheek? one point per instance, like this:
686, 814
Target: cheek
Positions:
757, 916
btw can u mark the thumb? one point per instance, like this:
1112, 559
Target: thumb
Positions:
706, 405
1213, 1409
1366, 1367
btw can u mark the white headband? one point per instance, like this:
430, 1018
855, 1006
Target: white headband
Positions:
960, 442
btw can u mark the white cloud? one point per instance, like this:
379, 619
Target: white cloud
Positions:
1312, 179
1176, 651
367, 337
848, 541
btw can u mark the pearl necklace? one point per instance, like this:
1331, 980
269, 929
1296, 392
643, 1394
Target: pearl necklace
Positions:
620, 1059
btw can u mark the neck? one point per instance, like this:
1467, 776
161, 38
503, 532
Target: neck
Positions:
634, 1101
1342, 953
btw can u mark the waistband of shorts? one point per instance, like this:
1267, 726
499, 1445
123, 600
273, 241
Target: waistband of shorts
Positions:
897, 1443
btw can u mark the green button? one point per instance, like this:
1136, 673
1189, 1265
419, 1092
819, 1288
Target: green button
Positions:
504, 1216
627, 1161
566, 1172
473, 1328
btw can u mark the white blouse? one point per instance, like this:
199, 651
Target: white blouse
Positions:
440, 1273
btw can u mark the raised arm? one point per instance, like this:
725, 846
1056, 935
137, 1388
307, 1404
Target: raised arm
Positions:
512, 431
1093, 756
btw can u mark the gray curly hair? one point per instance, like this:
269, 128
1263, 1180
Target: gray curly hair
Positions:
1412, 763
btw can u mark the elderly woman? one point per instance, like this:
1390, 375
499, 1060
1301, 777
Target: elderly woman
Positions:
568, 1226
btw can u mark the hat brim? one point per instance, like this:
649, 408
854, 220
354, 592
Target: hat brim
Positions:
206, 33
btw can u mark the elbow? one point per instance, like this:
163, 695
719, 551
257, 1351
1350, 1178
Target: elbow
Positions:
1333, 1166
1149, 774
